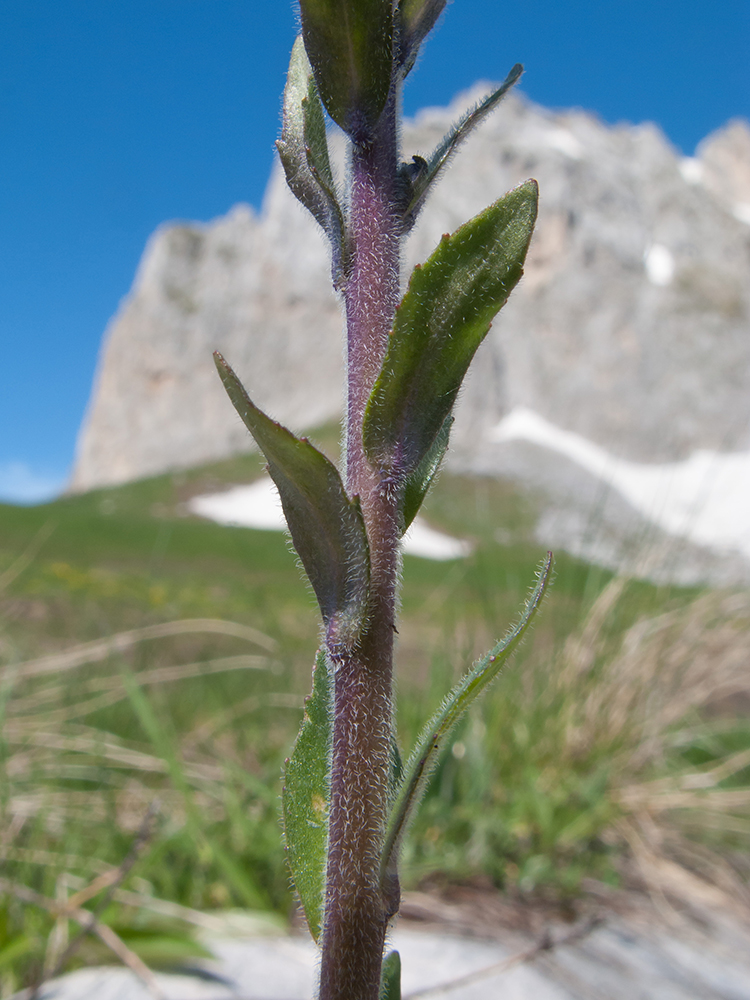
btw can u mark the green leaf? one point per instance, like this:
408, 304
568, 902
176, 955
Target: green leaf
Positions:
397, 768
419, 482
306, 796
417, 18
425, 178
326, 526
431, 740
350, 47
390, 977
441, 321
303, 150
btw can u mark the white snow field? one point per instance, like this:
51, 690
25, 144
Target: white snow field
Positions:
258, 506
704, 499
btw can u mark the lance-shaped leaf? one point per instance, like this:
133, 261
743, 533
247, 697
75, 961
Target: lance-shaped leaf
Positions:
417, 18
326, 527
390, 977
419, 482
441, 321
303, 150
426, 177
306, 796
432, 739
350, 46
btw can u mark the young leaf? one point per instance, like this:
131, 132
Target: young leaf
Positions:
417, 18
425, 178
326, 526
419, 482
303, 151
431, 740
390, 977
305, 797
350, 46
441, 321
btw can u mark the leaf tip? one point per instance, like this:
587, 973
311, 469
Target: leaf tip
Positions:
222, 365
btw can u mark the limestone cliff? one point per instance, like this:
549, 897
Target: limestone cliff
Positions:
631, 326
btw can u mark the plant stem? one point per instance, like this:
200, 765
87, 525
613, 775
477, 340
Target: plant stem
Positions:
357, 908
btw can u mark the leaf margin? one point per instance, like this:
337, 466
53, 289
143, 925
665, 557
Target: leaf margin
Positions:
303, 152
299, 768
350, 48
430, 742
427, 357
340, 582
448, 145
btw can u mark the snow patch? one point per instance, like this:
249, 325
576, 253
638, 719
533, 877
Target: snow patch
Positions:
258, 506
659, 264
704, 499
254, 506
566, 143
691, 169
422, 540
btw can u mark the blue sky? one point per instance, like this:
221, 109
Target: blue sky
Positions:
116, 115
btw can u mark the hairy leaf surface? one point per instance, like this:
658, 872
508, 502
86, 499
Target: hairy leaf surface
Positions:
306, 796
441, 321
326, 527
432, 739
350, 46
417, 18
390, 977
303, 151
450, 142
419, 482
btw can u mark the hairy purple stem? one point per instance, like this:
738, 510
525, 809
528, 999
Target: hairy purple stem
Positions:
357, 907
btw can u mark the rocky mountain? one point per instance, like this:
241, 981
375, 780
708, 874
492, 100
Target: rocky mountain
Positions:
630, 330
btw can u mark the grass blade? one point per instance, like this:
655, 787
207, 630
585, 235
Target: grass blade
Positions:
166, 749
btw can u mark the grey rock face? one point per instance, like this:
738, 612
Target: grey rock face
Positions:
631, 326
254, 289
649, 371
620, 959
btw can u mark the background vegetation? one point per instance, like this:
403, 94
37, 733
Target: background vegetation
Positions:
153, 672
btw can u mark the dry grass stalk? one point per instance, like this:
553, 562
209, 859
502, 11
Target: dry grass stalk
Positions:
642, 703
87, 921
101, 649
546, 943
583, 647
114, 690
668, 668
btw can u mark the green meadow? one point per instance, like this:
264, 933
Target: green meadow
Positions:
154, 667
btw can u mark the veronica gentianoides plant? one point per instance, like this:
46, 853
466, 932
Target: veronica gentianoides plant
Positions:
348, 798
